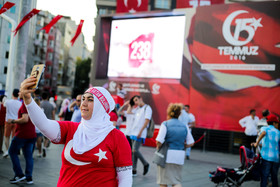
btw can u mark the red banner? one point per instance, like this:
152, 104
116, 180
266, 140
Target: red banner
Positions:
196, 3
131, 6
6, 7
53, 21
25, 19
78, 32
234, 64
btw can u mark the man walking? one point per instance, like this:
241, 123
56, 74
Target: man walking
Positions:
49, 111
75, 108
25, 137
191, 125
142, 116
270, 150
12, 107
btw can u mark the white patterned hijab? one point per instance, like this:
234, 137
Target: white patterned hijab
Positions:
92, 132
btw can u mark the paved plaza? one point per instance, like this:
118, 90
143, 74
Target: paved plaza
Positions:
195, 172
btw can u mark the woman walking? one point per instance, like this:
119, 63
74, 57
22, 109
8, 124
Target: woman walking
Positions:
176, 135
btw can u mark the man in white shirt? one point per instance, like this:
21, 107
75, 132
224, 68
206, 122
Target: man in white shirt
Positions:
12, 107
130, 106
121, 92
184, 116
142, 117
191, 125
250, 124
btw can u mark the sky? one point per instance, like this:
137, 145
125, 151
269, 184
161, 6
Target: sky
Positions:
77, 10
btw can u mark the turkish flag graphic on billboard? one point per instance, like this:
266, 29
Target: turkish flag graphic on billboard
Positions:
131, 6
234, 63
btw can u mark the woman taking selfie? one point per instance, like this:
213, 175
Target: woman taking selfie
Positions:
95, 153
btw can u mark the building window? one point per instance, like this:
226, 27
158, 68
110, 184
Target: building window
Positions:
52, 43
42, 22
10, 25
49, 69
163, 4
5, 70
36, 50
9, 39
50, 56
102, 11
13, 9
47, 81
7, 55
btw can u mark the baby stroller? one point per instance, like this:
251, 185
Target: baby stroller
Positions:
249, 170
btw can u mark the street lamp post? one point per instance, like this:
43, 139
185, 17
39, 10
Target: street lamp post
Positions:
10, 78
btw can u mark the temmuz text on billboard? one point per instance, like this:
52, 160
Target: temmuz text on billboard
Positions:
238, 50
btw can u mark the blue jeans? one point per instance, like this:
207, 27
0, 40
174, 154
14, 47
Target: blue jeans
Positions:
136, 154
27, 146
267, 168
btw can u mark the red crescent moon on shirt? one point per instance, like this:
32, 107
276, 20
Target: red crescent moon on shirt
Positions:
69, 158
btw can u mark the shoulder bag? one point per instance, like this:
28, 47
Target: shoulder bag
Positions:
159, 157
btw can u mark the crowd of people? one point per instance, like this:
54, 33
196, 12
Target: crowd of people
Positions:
89, 125
86, 126
175, 131
264, 135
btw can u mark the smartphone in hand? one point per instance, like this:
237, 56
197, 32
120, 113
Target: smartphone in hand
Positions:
37, 72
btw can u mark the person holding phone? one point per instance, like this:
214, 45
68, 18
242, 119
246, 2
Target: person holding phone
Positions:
93, 147
130, 105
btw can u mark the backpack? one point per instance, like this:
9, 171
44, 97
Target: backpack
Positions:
151, 127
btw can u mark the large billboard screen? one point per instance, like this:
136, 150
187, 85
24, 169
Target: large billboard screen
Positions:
146, 47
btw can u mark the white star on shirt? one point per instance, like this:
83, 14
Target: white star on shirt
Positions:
101, 155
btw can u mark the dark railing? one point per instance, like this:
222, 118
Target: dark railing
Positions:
217, 140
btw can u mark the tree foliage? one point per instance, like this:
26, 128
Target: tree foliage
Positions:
81, 76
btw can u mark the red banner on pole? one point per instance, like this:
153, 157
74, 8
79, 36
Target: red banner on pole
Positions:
196, 3
131, 6
25, 19
6, 7
78, 32
53, 21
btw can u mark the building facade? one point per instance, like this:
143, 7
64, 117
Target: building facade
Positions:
47, 51
22, 44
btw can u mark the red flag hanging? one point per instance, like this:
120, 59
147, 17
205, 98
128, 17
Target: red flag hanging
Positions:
6, 7
78, 32
53, 21
25, 19
131, 6
196, 3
